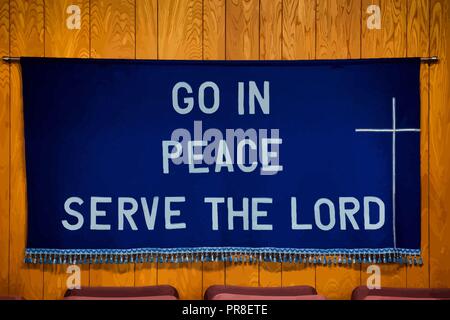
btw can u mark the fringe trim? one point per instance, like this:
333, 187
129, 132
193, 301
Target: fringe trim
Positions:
334, 257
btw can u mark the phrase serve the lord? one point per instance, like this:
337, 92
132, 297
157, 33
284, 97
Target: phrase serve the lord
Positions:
215, 151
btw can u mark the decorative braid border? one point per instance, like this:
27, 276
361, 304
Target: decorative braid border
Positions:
230, 254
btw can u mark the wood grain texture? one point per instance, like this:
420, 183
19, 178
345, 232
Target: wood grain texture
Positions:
180, 37
214, 29
242, 274
60, 41
4, 149
112, 29
27, 39
55, 280
390, 40
146, 29
338, 29
294, 274
270, 33
393, 276
299, 29
146, 274
418, 38
180, 31
186, 277
213, 273
337, 282
439, 142
120, 275
112, 36
242, 30
270, 274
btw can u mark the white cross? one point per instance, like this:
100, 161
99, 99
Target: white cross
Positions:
394, 130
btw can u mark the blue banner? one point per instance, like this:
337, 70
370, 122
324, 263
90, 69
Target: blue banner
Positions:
302, 161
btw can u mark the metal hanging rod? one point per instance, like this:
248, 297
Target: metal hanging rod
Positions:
429, 60
10, 59
433, 59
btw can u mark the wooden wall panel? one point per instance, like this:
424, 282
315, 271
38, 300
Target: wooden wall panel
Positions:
112, 24
242, 29
147, 29
60, 41
113, 29
270, 30
180, 37
27, 39
214, 29
418, 37
299, 29
180, 32
338, 32
338, 29
4, 149
439, 142
390, 40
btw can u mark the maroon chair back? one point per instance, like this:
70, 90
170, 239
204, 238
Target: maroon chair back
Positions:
360, 293
123, 292
212, 291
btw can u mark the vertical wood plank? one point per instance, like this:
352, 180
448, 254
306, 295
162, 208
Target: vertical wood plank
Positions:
146, 29
180, 37
299, 29
418, 46
338, 29
55, 280
299, 42
112, 29
242, 29
270, 33
60, 41
242, 274
186, 277
27, 39
214, 29
338, 34
439, 142
112, 24
145, 274
213, 273
180, 29
4, 149
390, 40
